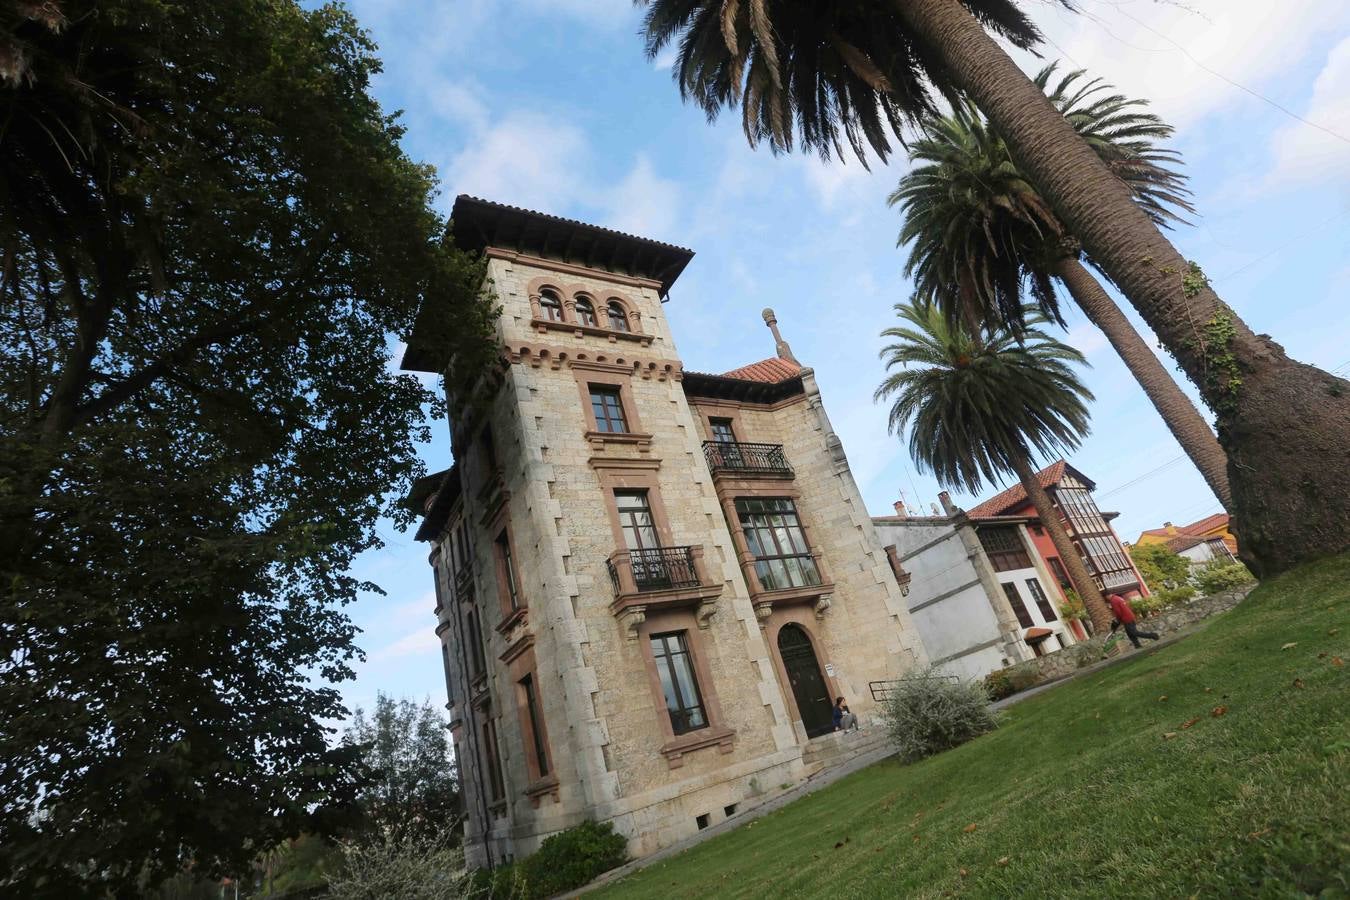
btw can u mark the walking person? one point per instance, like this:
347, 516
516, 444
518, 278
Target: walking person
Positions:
844, 719
1125, 616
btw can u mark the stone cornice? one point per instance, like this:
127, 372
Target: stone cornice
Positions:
554, 265
555, 357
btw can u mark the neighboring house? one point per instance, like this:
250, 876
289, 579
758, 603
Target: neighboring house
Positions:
1089, 528
1200, 550
650, 582
1215, 526
978, 592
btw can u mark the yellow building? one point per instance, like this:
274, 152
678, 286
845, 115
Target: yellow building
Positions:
1213, 526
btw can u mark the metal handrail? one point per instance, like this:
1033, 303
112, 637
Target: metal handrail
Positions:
657, 569
737, 456
882, 690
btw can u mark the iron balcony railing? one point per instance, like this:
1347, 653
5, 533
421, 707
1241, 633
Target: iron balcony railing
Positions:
755, 459
885, 690
656, 569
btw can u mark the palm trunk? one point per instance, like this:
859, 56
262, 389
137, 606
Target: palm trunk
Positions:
1176, 409
1285, 425
1098, 611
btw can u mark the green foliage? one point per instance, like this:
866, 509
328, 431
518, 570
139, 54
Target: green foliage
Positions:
563, 862
839, 72
1144, 607
1071, 608
927, 714
1160, 567
979, 230
997, 684
209, 235
304, 864
1170, 596
1012, 395
411, 785
1218, 576
1194, 281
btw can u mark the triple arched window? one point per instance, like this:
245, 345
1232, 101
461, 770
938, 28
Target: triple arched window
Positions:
611, 314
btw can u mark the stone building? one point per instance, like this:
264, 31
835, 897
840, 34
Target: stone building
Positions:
650, 582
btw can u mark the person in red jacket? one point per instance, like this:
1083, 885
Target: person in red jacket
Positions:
1125, 616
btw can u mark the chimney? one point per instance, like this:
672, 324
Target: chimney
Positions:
900, 511
1171, 529
946, 500
780, 345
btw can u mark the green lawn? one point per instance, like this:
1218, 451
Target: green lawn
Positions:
1079, 793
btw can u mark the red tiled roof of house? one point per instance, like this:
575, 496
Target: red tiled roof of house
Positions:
767, 371
1185, 542
1048, 477
1208, 523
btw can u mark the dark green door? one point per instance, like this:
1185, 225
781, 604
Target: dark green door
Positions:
808, 685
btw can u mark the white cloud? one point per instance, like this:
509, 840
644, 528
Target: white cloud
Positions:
1086, 338
666, 58
421, 642
643, 203
527, 159
1301, 151
1161, 50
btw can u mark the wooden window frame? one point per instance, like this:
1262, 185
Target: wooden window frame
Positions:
809, 552
1018, 605
1043, 604
578, 314
556, 296
513, 607
717, 734
603, 419
492, 759
520, 665
681, 638
592, 374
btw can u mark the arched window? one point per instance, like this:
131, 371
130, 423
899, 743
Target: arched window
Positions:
618, 319
586, 312
550, 306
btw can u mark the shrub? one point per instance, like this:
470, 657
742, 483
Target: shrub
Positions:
573, 857
1172, 596
416, 867
1217, 577
1071, 608
998, 685
565, 861
927, 714
1145, 606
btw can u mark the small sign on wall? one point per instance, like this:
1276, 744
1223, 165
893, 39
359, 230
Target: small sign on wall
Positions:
829, 669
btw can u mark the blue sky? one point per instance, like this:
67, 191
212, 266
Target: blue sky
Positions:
550, 104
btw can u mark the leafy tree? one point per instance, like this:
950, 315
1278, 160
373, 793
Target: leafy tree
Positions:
978, 410
979, 231
209, 233
1160, 567
413, 787
823, 75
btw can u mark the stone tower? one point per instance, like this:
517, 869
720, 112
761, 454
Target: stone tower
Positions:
651, 583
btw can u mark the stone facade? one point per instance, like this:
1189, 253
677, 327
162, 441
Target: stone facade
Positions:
619, 643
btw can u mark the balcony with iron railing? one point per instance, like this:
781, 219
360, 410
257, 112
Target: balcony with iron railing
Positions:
660, 578
740, 459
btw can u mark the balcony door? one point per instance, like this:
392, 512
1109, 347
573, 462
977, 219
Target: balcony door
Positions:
639, 536
727, 453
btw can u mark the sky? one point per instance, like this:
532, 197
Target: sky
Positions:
552, 105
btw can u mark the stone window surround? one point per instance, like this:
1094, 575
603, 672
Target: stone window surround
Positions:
614, 376
510, 617
520, 662
798, 616
732, 489
717, 733
600, 300
708, 408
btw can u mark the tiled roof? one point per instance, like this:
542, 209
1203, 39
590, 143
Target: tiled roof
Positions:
1208, 523
766, 371
996, 505
1185, 542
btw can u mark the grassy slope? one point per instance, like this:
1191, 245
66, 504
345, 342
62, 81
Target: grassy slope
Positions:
1081, 792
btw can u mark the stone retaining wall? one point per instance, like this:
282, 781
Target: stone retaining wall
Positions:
1065, 662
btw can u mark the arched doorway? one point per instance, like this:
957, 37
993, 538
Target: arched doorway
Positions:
808, 685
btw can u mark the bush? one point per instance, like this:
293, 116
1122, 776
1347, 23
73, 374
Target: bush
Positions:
1071, 608
1217, 577
927, 714
1145, 606
997, 684
1172, 596
565, 861
416, 867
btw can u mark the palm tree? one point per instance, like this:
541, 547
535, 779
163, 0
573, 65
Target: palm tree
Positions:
859, 71
979, 407
979, 231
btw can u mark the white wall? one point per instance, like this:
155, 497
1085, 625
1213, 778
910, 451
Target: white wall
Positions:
1018, 578
947, 601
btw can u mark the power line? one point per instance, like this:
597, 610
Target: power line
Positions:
1149, 474
1242, 87
1285, 246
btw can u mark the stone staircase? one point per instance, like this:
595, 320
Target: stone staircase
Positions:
838, 747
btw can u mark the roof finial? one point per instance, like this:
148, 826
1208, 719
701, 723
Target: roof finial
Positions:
784, 351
